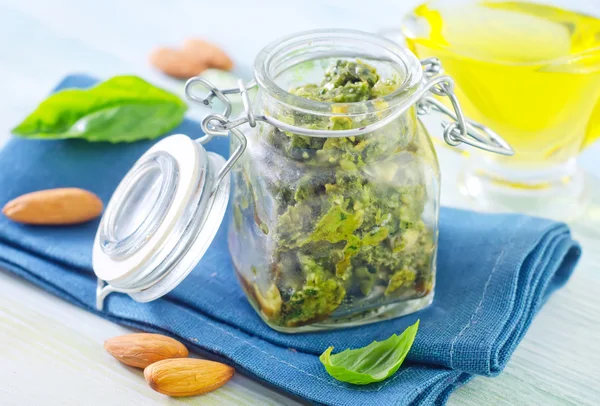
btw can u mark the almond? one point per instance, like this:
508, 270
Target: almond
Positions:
210, 54
195, 57
54, 207
142, 349
187, 376
177, 63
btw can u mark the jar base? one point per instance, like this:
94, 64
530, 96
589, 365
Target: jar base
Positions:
333, 321
386, 312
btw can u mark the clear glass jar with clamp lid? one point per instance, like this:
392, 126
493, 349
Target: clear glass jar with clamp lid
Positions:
335, 196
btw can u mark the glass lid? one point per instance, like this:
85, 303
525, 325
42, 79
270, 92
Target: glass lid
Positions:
161, 219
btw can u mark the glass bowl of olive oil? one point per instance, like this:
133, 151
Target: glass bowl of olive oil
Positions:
531, 72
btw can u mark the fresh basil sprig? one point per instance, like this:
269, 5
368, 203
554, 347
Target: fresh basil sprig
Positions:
373, 363
121, 109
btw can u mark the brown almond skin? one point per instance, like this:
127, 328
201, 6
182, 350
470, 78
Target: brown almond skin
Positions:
210, 54
177, 64
54, 207
142, 349
187, 376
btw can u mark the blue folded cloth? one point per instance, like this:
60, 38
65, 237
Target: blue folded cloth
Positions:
494, 274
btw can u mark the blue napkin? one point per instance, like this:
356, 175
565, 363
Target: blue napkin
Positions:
494, 274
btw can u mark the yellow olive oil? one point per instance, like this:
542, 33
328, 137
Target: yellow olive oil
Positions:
531, 72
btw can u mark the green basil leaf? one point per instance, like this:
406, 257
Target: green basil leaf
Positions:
121, 109
373, 363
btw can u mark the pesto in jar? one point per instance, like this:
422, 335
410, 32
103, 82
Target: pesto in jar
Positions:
344, 235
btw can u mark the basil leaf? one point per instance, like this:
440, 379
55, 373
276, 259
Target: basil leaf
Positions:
373, 363
121, 109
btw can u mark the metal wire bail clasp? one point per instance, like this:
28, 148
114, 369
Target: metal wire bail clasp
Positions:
219, 124
215, 124
461, 129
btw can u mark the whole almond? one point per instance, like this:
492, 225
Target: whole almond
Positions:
210, 54
187, 376
142, 349
177, 63
54, 207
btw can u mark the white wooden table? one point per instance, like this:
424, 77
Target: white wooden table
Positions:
51, 352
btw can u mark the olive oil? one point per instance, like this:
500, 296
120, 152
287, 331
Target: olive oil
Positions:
529, 71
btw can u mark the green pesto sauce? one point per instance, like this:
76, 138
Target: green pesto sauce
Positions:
339, 236
348, 82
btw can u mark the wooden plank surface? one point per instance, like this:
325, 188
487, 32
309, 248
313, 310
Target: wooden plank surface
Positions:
51, 352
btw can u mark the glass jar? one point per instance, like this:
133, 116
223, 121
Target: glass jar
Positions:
332, 231
334, 205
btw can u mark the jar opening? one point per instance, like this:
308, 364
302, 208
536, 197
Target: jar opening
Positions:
302, 58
